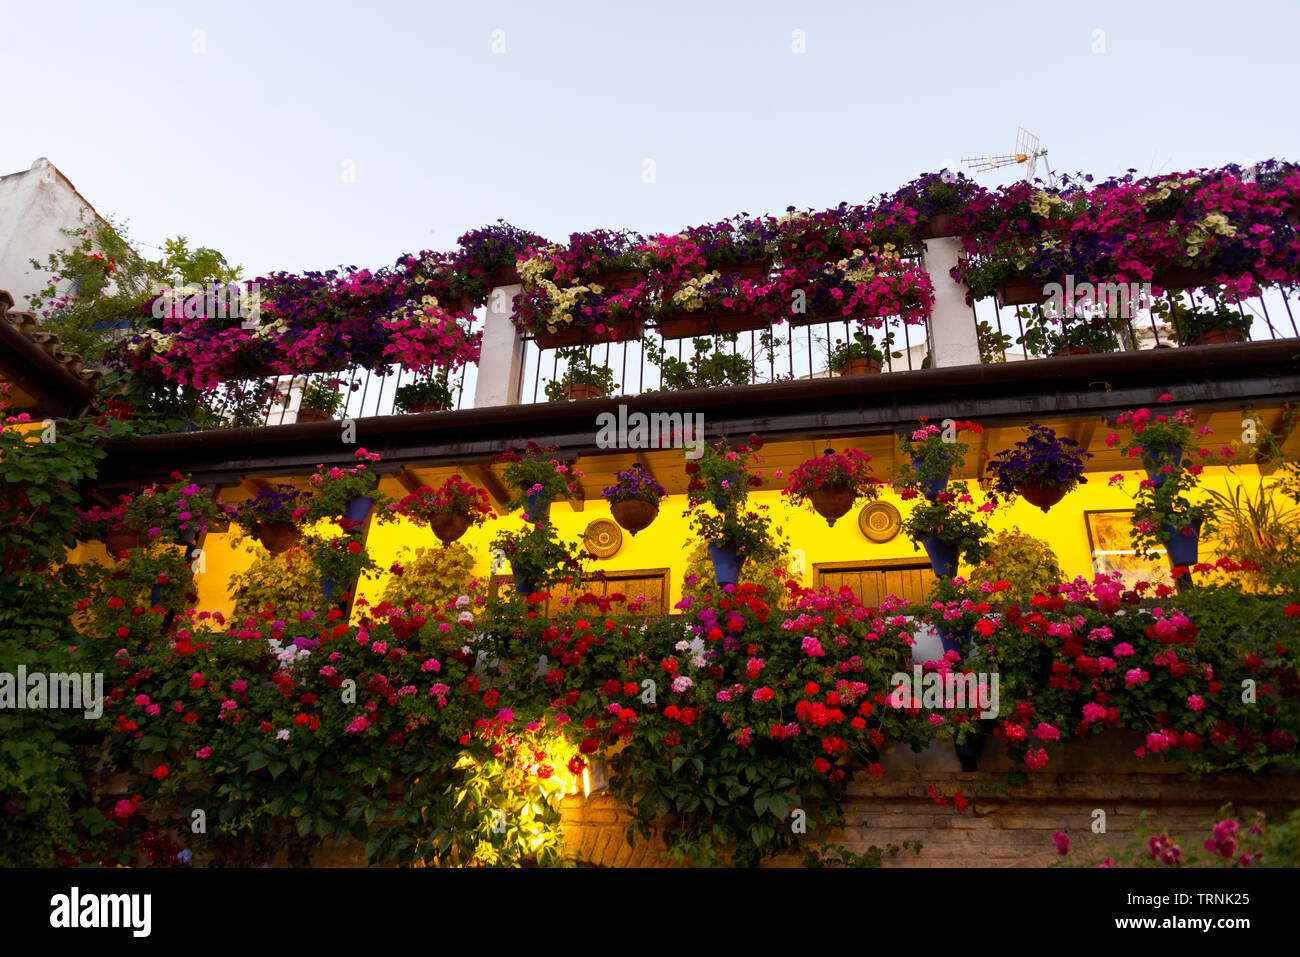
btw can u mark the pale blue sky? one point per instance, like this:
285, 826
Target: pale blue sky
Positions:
243, 146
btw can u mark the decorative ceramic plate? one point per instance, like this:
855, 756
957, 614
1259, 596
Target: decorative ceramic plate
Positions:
879, 521
603, 538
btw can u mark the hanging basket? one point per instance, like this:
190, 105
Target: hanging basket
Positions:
1040, 494
832, 503
634, 514
278, 537
116, 542
449, 526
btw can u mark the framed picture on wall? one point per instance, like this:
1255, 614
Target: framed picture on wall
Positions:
1112, 550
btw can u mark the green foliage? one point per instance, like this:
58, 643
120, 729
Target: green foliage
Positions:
709, 366
288, 582
1257, 840
1026, 563
769, 574
434, 389
837, 855
112, 284
431, 577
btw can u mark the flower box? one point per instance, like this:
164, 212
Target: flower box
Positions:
1182, 277
622, 330
1020, 292
505, 276
616, 281
689, 325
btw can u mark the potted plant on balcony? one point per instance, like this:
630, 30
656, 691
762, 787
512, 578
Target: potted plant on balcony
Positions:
178, 512
1048, 335
1042, 469
709, 366
429, 393
722, 478
833, 483
580, 379
274, 515
634, 498
860, 356
537, 478
450, 510
321, 399
1200, 327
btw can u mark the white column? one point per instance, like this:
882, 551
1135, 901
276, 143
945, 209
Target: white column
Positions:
952, 323
503, 351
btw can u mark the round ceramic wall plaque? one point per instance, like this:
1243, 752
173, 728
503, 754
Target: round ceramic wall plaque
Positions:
603, 538
879, 521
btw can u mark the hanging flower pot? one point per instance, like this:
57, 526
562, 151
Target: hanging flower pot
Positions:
278, 537
327, 588
1183, 549
831, 503
1040, 494
358, 508
116, 542
727, 562
943, 557
860, 367
935, 485
719, 501
634, 514
1158, 454
524, 586
538, 508
449, 526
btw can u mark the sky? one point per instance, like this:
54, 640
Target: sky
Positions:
312, 135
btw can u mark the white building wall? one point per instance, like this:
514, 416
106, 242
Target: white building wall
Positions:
35, 205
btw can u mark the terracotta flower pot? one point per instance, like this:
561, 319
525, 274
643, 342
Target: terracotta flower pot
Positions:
1182, 277
449, 526
1037, 493
278, 537
422, 407
617, 280
121, 542
1214, 336
689, 325
938, 226
831, 503
860, 367
634, 514
1072, 351
314, 415
584, 390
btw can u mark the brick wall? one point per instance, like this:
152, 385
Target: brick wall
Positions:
1012, 827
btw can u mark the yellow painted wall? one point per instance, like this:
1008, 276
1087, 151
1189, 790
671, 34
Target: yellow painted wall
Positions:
664, 544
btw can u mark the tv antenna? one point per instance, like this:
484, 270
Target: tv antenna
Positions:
1028, 151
